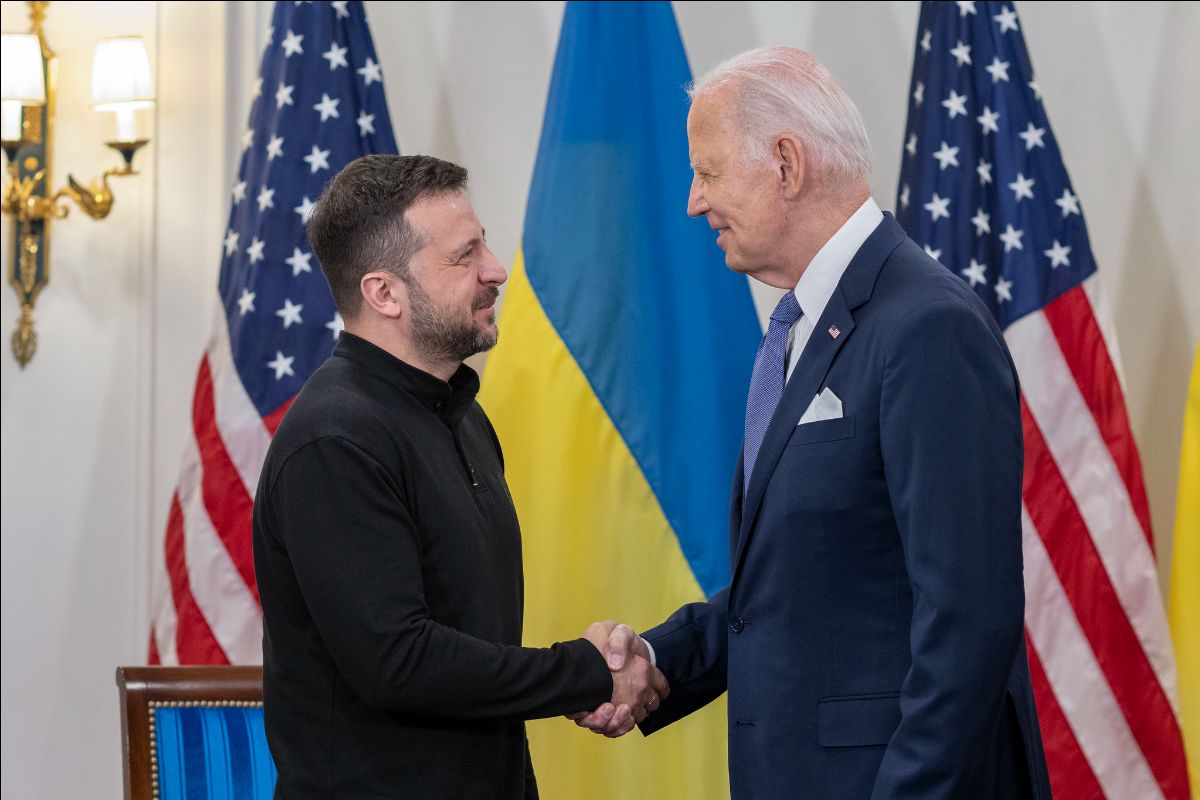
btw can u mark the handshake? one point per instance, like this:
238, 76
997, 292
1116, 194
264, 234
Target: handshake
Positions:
638, 686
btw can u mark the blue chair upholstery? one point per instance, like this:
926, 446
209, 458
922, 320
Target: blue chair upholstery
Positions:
194, 733
206, 752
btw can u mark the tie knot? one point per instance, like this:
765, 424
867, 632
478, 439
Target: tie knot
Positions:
788, 310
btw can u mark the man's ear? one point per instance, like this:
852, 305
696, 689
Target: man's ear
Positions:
384, 293
789, 154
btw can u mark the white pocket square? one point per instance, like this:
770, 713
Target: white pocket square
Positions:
825, 405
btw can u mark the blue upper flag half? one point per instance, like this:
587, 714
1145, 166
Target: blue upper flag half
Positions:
982, 183
319, 104
638, 291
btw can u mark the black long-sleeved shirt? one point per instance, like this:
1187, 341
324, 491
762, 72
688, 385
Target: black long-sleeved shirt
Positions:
388, 559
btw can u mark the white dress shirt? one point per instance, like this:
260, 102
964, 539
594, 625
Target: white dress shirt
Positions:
821, 276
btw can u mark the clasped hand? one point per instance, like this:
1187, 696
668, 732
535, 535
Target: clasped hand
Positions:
638, 686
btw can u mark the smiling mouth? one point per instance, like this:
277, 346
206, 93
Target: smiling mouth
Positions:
487, 301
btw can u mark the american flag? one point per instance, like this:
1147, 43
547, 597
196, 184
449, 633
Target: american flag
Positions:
984, 189
319, 104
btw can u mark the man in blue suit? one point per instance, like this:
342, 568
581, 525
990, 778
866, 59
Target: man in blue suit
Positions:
871, 639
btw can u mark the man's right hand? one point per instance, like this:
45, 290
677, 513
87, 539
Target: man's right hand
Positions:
638, 686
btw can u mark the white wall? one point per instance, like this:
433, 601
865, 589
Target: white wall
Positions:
74, 516
92, 431
84, 427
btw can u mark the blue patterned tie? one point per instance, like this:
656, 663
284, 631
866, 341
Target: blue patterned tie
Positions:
766, 382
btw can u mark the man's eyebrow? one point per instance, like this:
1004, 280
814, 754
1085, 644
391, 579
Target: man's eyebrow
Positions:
470, 245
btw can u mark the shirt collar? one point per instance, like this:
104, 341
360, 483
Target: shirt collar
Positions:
449, 400
824, 272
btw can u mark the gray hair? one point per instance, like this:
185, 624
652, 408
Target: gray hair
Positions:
784, 90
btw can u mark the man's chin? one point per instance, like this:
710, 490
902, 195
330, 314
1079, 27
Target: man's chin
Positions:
486, 337
736, 264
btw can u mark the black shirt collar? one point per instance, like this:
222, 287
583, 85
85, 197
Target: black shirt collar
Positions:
449, 400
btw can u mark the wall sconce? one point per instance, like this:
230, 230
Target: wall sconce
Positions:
121, 82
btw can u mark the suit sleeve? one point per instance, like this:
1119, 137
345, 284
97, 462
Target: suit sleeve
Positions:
355, 553
950, 434
691, 648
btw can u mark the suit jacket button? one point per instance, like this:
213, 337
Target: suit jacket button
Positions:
736, 624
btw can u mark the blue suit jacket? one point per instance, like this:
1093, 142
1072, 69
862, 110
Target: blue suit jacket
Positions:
871, 639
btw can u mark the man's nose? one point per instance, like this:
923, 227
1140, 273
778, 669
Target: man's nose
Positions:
492, 272
697, 206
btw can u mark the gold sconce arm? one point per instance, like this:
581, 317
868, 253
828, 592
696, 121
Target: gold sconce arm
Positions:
96, 199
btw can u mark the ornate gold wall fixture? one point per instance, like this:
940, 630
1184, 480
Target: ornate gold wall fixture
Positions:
121, 82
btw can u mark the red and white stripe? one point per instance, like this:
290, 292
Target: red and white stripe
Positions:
208, 609
1100, 651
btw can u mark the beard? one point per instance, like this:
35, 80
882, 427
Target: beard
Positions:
440, 334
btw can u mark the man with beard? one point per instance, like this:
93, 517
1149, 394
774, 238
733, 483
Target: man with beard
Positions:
386, 545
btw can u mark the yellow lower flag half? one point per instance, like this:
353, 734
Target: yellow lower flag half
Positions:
597, 546
1184, 605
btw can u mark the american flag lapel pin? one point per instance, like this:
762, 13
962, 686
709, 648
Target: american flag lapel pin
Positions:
834, 332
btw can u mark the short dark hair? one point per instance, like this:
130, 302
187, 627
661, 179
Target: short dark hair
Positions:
359, 225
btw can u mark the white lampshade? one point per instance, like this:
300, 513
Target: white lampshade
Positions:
21, 77
121, 75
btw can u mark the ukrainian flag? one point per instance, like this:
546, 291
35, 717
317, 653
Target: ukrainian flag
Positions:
618, 387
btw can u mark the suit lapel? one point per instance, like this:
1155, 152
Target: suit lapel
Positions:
808, 378
735, 508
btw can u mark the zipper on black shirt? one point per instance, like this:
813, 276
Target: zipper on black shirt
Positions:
462, 453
